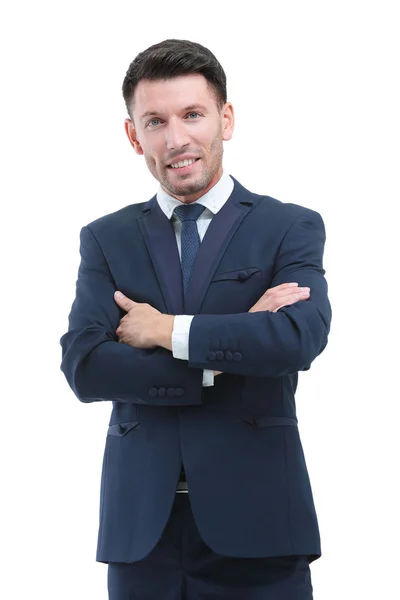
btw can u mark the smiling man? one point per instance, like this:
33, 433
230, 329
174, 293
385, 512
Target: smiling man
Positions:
194, 313
186, 156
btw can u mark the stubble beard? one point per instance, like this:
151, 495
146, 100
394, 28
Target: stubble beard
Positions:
191, 187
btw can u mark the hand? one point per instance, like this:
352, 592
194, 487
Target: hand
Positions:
274, 298
143, 326
281, 295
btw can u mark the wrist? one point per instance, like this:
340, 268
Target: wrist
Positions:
164, 331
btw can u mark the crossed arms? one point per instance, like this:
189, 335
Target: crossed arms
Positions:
116, 349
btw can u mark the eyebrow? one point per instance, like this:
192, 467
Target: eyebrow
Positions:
151, 113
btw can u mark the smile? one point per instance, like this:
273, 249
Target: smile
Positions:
184, 163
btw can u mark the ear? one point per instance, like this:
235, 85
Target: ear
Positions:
228, 121
132, 136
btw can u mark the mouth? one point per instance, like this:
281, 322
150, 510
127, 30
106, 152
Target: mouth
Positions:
183, 167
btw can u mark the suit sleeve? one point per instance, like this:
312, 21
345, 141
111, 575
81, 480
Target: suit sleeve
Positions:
267, 344
97, 366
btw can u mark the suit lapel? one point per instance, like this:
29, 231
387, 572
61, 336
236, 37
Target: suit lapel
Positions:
159, 236
217, 237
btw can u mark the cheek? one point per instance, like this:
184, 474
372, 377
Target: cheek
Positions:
155, 154
152, 148
152, 161
210, 140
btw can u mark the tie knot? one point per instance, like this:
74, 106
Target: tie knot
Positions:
189, 212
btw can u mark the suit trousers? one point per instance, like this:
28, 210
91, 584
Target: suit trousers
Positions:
183, 567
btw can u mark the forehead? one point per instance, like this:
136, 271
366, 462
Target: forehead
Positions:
170, 95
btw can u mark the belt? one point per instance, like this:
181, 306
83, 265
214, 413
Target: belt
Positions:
182, 488
182, 484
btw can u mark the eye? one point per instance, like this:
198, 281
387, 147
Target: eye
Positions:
193, 113
153, 122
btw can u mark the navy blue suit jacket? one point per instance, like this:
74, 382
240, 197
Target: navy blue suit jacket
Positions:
238, 440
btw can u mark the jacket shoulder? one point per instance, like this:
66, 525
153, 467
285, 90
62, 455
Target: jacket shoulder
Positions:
131, 211
285, 210
277, 209
117, 221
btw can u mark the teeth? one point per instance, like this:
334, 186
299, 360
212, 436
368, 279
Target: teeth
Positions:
183, 163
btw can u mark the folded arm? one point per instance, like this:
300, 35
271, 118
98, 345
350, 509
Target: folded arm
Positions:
267, 344
97, 366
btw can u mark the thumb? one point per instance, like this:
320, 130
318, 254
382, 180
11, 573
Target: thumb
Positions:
123, 301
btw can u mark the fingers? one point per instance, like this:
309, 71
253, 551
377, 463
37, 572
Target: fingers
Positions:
296, 294
286, 289
283, 297
292, 298
123, 301
283, 287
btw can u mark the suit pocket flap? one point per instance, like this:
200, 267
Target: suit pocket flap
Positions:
241, 275
261, 421
121, 429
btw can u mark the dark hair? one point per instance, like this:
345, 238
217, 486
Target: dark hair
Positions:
172, 58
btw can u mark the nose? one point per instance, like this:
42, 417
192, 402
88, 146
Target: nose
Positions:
176, 135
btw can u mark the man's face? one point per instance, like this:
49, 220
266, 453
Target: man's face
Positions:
175, 120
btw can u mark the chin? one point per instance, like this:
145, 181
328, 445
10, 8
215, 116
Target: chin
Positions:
189, 188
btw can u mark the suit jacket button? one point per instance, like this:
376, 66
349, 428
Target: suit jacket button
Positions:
162, 391
242, 275
219, 355
153, 391
171, 392
211, 356
228, 355
179, 391
237, 356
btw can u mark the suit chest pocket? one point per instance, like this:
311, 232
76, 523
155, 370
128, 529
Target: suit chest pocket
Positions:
240, 276
235, 291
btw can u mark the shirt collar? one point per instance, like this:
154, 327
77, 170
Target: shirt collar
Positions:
213, 200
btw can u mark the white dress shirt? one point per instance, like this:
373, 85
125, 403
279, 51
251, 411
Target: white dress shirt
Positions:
213, 200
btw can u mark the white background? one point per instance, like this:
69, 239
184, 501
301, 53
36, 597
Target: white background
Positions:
315, 89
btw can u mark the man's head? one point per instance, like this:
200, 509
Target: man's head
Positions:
175, 94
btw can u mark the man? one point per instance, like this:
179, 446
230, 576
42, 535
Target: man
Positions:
194, 313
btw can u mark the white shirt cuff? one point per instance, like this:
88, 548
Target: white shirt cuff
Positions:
180, 344
208, 378
180, 336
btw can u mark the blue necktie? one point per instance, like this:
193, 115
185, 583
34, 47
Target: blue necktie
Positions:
190, 239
